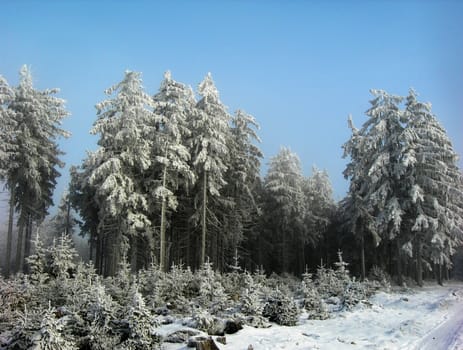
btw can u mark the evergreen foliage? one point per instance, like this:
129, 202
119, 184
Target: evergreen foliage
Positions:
29, 155
281, 309
406, 189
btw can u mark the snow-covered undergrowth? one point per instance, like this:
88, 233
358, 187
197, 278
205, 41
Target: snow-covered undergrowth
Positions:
421, 318
61, 305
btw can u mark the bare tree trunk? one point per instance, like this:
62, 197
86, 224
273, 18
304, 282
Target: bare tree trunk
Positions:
419, 262
90, 249
134, 253
68, 216
439, 274
362, 256
188, 245
162, 253
27, 243
302, 258
283, 252
98, 253
9, 238
203, 224
20, 244
399, 263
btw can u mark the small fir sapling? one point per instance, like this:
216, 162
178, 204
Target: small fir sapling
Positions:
119, 285
251, 303
141, 323
37, 262
172, 288
52, 335
100, 315
281, 309
312, 301
63, 255
211, 293
148, 281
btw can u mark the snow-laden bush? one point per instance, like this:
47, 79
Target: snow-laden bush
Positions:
379, 275
338, 289
173, 289
119, 285
201, 320
281, 309
354, 293
52, 334
148, 281
15, 294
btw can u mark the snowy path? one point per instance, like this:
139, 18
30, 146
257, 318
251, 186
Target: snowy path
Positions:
449, 335
425, 318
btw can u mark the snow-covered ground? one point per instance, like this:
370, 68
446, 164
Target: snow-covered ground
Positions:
427, 318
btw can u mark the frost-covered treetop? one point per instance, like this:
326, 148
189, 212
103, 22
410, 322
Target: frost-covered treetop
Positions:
207, 88
6, 93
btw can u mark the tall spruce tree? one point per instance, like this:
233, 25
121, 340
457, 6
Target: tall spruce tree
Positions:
358, 216
123, 124
8, 152
285, 210
173, 105
83, 199
242, 178
210, 154
386, 168
436, 189
38, 116
64, 221
320, 204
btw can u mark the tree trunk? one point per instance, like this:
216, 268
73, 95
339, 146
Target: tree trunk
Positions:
98, 260
284, 266
419, 262
302, 259
68, 216
399, 263
10, 232
203, 224
362, 256
19, 245
27, 243
162, 253
439, 274
134, 253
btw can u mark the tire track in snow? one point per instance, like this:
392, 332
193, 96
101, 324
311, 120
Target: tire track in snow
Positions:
449, 333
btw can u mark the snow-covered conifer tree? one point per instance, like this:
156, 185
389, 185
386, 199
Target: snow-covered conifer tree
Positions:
210, 132
320, 207
8, 149
242, 177
377, 169
38, 115
436, 188
173, 105
211, 292
38, 262
62, 254
286, 209
141, 323
64, 220
358, 216
123, 125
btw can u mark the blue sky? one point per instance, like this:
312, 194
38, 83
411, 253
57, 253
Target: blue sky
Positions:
300, 67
